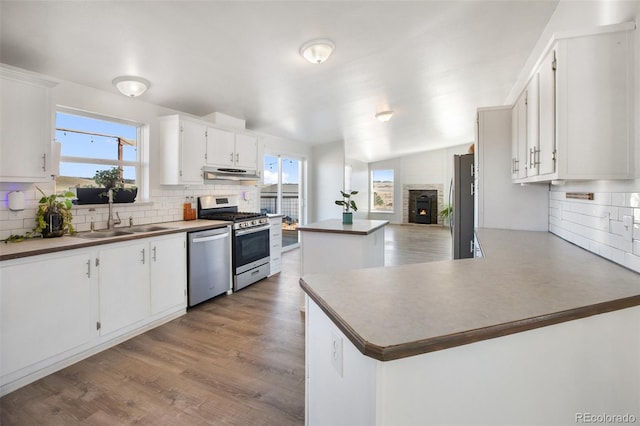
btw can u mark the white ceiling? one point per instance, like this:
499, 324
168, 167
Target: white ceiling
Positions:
432, 62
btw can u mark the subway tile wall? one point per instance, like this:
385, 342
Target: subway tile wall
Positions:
608, 225
164, 205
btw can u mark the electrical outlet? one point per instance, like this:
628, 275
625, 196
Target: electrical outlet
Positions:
627, 227
336, 352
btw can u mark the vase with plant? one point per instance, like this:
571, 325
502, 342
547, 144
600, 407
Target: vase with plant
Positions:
347, 203
53, 217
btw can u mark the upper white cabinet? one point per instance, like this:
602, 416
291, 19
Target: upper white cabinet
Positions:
519, 138
26, 127
183, 142
226, 148
580, 109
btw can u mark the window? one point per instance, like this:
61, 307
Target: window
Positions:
90, 144
382, 191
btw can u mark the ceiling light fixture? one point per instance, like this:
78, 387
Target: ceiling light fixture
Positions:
384, 116
131, 86
317, 51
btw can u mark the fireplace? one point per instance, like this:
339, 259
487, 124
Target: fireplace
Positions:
423, 206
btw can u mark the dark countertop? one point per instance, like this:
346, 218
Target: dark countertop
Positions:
36, 246
526, 280
359, 226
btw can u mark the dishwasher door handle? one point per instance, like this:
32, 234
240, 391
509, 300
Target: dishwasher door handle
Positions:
210, 238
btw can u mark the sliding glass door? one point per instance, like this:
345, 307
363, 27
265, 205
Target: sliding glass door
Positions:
281, 194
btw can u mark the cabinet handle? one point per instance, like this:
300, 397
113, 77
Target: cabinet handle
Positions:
536, 157
143, 259
89, 268
471, 246
154, 253
44, 162
237, 158
231, 157
472, 188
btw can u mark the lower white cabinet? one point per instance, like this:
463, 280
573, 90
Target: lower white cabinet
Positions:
275, 240
168, 277
124, 285
45, 308
58, 308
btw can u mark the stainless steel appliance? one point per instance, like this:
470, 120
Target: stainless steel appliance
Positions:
461, 195
250, 239
209, 271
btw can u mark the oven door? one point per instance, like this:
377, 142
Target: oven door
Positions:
251, 248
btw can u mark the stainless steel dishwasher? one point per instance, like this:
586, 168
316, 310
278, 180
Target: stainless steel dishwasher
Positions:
209, 272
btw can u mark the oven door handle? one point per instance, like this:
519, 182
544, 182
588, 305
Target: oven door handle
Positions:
247, 231
211, 238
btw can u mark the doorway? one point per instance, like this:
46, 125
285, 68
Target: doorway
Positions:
281, 193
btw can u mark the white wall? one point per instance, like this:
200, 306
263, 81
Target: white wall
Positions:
326, 180
357, 179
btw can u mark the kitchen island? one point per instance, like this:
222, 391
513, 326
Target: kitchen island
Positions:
537, 332
330, 246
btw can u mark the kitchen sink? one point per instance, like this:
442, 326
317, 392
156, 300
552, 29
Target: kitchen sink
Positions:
102, 234
147, 228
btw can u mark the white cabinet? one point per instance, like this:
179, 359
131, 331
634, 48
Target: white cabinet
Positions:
275, 240
26, 127
141, 279
519, 138
168, 273
45, 308
226, 148
583, 109
183, 142
58, 307
124, 285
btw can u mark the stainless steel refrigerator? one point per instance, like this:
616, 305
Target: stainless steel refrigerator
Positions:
462, 200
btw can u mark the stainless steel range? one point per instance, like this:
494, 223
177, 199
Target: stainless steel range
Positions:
250, 241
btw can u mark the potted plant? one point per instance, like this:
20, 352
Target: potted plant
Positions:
53, 217
348, 204
106, 180
446, 212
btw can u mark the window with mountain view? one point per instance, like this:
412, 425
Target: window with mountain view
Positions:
382, 191
91, 144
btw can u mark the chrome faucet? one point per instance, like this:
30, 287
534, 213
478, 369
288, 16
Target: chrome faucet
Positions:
110, 221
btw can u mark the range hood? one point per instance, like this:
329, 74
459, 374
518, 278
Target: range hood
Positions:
213, 174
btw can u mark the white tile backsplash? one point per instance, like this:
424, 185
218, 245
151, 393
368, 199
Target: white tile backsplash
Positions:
608, 225
164, 205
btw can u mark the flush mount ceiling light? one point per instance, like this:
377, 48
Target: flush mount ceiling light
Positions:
317, 51
131, 86
384, 116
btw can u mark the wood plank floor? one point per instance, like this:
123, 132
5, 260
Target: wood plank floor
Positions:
234, 360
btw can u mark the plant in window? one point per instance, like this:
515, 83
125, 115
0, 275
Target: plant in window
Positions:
348, 204
106, 180
109, 179
53, 216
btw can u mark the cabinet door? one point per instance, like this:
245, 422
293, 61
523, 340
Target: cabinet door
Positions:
192, 146
519, 121
25, 130
547, 117
168, 272
246, 151
220, 147
45, 308
533, 150
124, 286
515, 159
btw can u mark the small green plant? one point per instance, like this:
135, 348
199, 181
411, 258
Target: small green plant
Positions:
446, 212
347, 203
54, 204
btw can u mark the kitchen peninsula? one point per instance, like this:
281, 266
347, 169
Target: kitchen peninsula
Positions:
536, 332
